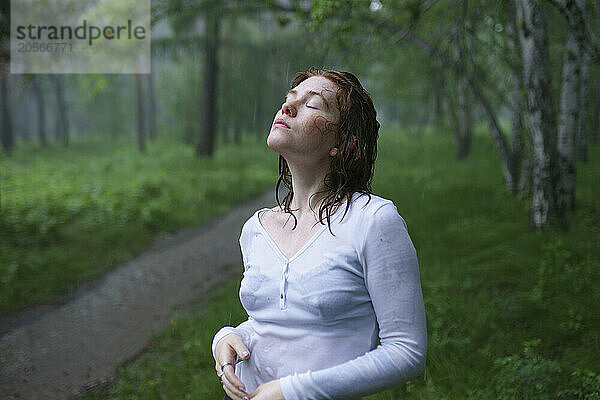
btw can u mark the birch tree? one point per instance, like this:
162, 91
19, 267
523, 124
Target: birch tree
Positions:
542, 125
520, 168
569, 115
581, 131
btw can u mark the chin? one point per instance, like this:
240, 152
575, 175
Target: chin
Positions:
275, 141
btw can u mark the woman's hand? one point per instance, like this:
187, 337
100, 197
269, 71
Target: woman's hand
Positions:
268, 391
226, 351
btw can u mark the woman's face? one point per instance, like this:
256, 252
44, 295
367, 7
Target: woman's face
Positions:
305, 127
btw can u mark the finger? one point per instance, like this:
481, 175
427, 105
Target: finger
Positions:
229, 375
230, 394
218, 369
240, 348
238, 390
226, 355
224, 352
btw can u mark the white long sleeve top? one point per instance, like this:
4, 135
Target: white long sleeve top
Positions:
315, 319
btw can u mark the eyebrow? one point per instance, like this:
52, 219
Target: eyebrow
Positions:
311, 92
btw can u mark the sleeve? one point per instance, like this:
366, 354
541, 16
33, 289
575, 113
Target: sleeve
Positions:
391, 274
244, 330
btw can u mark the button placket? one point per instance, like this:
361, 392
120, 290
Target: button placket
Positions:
283, 285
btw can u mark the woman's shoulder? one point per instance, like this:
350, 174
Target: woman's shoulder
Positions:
369, 204
252, 223
375, 210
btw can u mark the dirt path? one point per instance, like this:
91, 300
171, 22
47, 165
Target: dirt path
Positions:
54, 353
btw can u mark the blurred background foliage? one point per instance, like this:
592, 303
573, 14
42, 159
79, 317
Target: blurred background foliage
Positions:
503, 207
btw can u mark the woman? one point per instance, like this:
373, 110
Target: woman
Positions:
330, 270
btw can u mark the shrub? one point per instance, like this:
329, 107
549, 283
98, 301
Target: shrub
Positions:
585, 385
526, 376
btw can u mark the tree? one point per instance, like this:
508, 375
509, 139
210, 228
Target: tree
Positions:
522, 177
464, 130
6, 136
400, 22
7, 131
41, 108
542, 125
570, 115
582, 98
141, 118
208, 122
152, 105
62, 121
595, 132
575, 14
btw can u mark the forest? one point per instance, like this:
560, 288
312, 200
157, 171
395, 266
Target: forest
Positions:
490, 119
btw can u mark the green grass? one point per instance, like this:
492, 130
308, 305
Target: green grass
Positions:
512, 314
70, 214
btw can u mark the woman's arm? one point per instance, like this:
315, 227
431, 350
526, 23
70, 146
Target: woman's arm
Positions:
243, 330
391, 276
229, 345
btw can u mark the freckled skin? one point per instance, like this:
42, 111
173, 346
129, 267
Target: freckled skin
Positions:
312, 131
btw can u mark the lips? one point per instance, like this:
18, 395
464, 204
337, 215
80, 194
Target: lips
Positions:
280, 122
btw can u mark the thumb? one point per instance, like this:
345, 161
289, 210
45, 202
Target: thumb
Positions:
240, 348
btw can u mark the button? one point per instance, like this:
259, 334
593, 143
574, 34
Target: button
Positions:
282, 296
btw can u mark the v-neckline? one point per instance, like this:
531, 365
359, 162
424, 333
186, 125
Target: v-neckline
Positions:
306, 245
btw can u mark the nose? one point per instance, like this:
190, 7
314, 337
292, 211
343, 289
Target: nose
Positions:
288, 109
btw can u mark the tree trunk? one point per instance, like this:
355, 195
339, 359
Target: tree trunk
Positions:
454, 120
7, 132
518, 171
152, 101
62, 122
595, 125
141, 128
190, 105
41, 108
569, 114
227, 131
465, 120
438, 111
488, 112
516, 140
208, 123
581, 131
237, 131
595, 132
189, 124
542, 125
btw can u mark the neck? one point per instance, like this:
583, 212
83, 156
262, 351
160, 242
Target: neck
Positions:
306, 181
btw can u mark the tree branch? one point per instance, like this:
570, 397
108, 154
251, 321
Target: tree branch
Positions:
579, 26
496, 130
